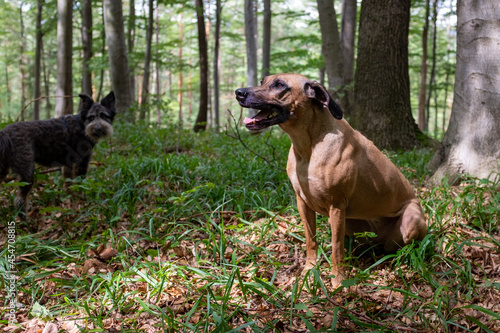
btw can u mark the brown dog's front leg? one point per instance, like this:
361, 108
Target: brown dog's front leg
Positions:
308, 217
337, 225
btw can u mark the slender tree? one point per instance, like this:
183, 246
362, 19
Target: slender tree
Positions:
217, 62
266, 39
87, 46
251, 46
382, 86
471, 144
330, 45
130, 45
180, 81
348, 41
432, 80
422, 123
117, 53
38, 67
147, 60
22, 61
157, 68
201, 120
64, 84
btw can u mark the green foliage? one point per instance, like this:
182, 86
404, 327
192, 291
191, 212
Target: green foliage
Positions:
208, 238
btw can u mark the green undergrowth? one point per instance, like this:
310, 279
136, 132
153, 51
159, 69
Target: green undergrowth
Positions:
173, 231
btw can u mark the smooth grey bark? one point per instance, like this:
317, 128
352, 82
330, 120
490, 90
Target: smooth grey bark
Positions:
130, 45
117, 53
251, 47
471, 144
22, 60
64, 84
38, 64
87, 46
422, 122
330, 45
348, 41
147, 60
266, 39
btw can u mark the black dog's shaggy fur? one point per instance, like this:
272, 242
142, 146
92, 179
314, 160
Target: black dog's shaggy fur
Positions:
66, 141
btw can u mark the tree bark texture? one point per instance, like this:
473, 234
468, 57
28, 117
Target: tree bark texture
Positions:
382, 87
251, 46
117, 52
130, 45
422, 123
201, 120
330, 45
348, 41
38, 64
87, 46
217, 62
266, 39
471, 144
64, 85
147, 61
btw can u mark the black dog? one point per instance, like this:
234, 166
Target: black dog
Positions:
66, 141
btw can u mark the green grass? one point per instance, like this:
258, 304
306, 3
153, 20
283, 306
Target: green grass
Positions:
208, 239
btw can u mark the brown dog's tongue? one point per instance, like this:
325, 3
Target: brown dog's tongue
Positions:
248, 120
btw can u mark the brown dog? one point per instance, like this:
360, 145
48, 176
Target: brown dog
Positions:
335, 171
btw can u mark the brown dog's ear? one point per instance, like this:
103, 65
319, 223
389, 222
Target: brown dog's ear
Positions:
319, 94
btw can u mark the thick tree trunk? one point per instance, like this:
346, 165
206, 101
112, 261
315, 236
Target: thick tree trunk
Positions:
147, 61
38, 68
251, 46
471, 144
201, 120
382, 87
266, 39
217, 63
87, 46
117, 52
348, 41
64, 85
330, 42
422, 123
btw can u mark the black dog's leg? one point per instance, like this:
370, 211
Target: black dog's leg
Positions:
26, 176
83, 166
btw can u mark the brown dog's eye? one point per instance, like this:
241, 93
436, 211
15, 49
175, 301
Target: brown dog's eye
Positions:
279, 84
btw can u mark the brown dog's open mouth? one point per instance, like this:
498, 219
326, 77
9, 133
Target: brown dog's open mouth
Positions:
266, 117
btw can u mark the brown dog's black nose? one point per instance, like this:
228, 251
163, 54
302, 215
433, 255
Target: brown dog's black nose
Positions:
241, 93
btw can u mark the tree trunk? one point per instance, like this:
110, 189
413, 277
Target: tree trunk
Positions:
348, 41
130, 45
64, 85
87, 46
46, 87
330, 45
157, 68
251, 45
266, 39
422, 123
217, 63
471, 144
382, 87
22, 66
147, 61
38, 67
180, 81
432, 81
201, 120
117, 53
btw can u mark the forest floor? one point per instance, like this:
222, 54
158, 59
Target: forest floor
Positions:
179, 232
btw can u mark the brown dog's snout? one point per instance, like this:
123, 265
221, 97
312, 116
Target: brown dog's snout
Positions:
241, 94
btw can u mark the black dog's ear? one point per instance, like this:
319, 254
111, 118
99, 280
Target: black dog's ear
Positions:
109, 101
87, 102
320, 95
